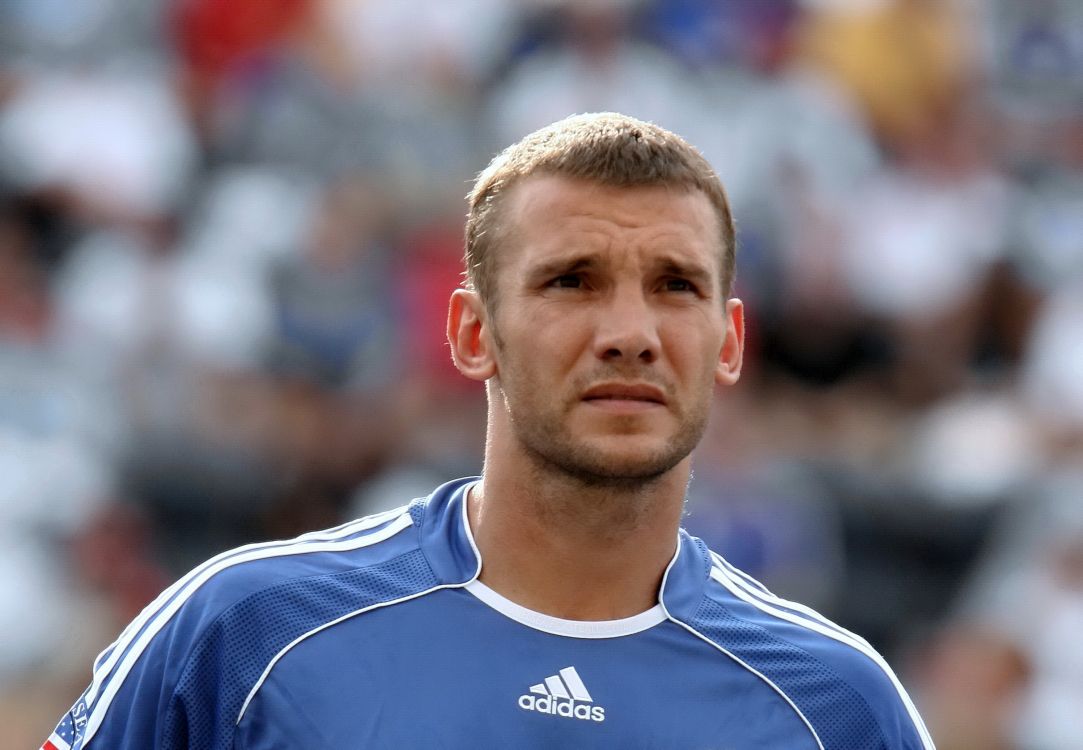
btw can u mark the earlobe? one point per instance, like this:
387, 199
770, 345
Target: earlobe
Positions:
728, 371
467, 334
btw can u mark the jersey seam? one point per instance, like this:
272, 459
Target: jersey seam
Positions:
824, 665
784, 610
273, 662
205, 631
121, 657
771, 683
419, 524
237, 727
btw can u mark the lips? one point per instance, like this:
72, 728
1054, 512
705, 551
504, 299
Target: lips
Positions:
641, 392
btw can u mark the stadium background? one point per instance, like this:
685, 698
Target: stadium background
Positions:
228, 229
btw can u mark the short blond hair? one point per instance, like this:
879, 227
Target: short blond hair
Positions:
607, 148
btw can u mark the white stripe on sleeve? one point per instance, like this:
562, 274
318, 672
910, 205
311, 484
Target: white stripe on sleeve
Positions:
831, 631
158, 618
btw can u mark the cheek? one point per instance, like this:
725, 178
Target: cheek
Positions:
554, 335
693, 345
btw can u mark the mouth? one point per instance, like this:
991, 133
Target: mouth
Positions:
625, 396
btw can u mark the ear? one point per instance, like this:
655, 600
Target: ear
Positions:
732, 355
467, 332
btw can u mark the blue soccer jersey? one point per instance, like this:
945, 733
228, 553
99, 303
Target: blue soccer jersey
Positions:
377, 634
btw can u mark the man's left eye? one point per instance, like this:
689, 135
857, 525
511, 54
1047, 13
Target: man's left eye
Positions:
567, 281
679, 285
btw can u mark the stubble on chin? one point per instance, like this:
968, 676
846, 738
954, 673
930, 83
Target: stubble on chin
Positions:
547, 440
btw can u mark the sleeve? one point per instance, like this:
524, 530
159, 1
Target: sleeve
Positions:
864, 704
178, 677
903, 727
882, 700
134, 698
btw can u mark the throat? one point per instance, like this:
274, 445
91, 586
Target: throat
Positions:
592, 555
593, 516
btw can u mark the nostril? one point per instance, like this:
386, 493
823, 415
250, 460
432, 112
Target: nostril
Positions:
647, 355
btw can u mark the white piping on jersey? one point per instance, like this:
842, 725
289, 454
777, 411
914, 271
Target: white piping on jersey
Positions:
756, 672
547, 623
115, 651
267, 671
277, 657
201, 575
724, 563
466, 524
770, 683
105, 661
568, 628
758, 590
762, 602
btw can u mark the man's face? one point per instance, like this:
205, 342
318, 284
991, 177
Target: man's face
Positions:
610, 330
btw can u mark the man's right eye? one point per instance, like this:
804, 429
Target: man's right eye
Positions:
567, 281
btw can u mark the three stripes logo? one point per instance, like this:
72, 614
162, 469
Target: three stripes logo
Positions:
563, 694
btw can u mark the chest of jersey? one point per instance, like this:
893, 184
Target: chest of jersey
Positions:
446, 671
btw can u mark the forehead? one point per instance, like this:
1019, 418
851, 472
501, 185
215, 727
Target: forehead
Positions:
552, 214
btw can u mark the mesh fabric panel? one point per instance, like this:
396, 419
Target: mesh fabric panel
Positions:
840, 715
233, 653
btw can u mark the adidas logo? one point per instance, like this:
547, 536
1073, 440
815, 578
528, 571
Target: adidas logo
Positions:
563, 694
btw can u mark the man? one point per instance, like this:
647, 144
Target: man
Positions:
553, 602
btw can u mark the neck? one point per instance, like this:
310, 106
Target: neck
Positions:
566, 548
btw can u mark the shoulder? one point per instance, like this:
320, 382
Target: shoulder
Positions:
190, 658
310, 561
259, 593
843, 688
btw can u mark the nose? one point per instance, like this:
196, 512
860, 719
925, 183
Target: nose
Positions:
627, 329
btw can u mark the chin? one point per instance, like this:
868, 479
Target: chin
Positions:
600, 456
622, 463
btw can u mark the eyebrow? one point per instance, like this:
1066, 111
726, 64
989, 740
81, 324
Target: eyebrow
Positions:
567, 264
667, 265
692, 271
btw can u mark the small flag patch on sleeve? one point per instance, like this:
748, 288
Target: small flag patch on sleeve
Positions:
62, 736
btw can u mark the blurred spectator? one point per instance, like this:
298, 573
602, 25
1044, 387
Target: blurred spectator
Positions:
594, 63
793, 153
51, 33
919, 254
50, 489
300, 104
439, 407
25, 307
971, 681
776, 524
333, 305
228, 231
129, 159
1029, 591
215, 38
974, 448
704, 33
1053, 373
1032, 55
904, 60
427, 44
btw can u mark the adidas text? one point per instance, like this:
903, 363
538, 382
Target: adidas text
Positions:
547, 704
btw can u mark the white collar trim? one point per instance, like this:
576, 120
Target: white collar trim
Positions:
569, 628
548, 623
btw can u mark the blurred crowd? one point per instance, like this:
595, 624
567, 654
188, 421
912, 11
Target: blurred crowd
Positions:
229, 228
